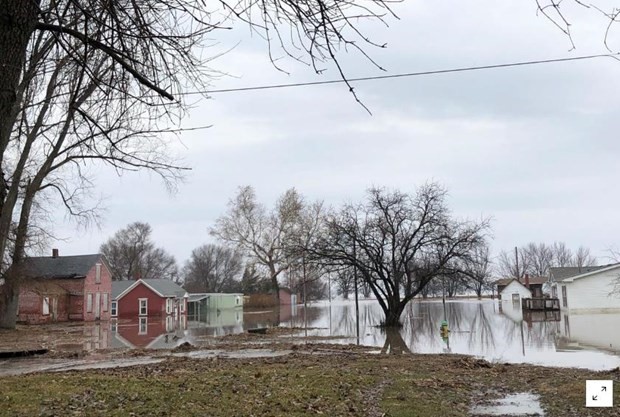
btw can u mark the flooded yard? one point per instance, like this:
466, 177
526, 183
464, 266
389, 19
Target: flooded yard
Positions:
497, 332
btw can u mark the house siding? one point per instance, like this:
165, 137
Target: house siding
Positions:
128, 305
31, 306
591, 293
69, 296
92, 287
515, 288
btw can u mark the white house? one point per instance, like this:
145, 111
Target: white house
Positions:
587, 289
515, 291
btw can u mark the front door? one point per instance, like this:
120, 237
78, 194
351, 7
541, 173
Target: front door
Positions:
97, 306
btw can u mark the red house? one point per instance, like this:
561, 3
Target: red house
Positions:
148, 298
62, 288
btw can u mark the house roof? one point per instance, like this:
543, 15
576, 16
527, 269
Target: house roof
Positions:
197, 297
585, 272
562, 273
162, 287
61, 266
118, 287
517, 281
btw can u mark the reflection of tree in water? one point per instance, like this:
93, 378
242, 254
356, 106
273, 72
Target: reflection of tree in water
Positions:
482, 331
394, 343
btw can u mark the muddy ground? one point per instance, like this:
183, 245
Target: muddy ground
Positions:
313, 379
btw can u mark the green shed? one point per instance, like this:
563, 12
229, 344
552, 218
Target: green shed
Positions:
200, 302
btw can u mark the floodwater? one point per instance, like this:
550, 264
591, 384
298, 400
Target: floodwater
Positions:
489, 329
498, 332
29, 365
523, 404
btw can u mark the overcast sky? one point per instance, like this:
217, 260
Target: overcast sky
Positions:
533, 147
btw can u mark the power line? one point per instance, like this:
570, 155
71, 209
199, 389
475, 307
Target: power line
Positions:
402, 75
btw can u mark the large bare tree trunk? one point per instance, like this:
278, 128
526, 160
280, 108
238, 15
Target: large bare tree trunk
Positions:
17, 22
274, 282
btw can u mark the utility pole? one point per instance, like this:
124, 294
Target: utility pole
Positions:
518, 275
357, 308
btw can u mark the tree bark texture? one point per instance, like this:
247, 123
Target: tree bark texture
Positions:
17, 23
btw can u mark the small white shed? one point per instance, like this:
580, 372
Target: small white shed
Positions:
515, 292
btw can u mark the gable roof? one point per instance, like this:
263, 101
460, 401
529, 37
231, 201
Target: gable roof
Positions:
562, 273
118, 287
161, 287
510, 281
588, 271
50, 267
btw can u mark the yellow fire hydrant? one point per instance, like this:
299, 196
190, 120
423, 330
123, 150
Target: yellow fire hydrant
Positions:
444, 330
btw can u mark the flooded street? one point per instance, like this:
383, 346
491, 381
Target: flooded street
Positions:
497, 332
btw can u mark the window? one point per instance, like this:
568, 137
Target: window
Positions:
113, 325
89, 303
143, 326
168, 305
564, 298
113, 309
98, 274
46, 306
237, 300
105, 301
182, 306
143, 305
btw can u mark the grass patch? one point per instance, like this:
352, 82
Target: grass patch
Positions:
351, 384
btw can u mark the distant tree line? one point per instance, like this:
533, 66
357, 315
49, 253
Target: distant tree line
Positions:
392, 246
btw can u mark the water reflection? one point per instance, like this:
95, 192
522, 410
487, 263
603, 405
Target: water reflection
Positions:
489, 329
148, 333
496, 332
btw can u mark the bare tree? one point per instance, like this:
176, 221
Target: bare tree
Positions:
583, 258
536, 259
262, 236
132, 254
252, 281
540, 258
345, 281
402, 243
562, 255
513, 265
477, 270
561, 14
307, 272
213, 268
129, 60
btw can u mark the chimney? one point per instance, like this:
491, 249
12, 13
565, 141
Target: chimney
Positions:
54, 253
527, 281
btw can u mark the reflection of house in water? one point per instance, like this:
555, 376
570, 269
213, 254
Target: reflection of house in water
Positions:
149, 332
583, 331
516, 313
216, 322
512, 310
